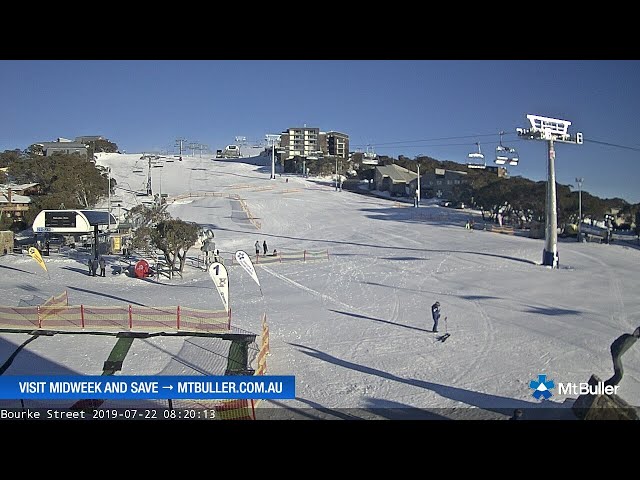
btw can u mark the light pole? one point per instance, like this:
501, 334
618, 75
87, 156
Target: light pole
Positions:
579, 182
550, 130
418, 191
159, 185
109, 202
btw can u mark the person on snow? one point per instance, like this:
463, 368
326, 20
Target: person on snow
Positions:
103, 265
435, 313
264, 246
257, 247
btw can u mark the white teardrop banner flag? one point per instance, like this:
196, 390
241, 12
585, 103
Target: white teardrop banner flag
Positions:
218, 274
245, 261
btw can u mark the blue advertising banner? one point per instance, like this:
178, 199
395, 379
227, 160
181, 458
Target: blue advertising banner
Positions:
147, 387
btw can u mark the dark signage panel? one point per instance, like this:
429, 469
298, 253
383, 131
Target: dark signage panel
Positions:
59, 219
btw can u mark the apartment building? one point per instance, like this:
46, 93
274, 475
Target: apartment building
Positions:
337, 144
300, 142
310, 142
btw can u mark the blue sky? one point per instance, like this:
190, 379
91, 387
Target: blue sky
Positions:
400, 107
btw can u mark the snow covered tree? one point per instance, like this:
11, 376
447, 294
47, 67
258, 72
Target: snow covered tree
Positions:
174, 237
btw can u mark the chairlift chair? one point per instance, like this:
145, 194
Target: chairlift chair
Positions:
506, 154
477, 155
476, 158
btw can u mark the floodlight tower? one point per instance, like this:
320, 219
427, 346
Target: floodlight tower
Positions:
550, 130
579, 181
272, 140
179, 143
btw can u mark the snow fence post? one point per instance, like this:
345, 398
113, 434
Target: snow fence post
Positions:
304, 255
39, 318
178, 317
130, 318
82, 315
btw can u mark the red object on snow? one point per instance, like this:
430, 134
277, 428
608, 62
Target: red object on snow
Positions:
141, 268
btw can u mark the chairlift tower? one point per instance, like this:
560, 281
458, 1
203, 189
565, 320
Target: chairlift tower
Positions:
272, 140
550, 130
179, 143
149, 190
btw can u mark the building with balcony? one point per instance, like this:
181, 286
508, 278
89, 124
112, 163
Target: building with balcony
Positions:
337, 144
310, 142
300, 142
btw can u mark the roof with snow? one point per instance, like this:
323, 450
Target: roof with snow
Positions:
4, 198
397, 173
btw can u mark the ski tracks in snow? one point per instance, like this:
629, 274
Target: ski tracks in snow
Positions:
313, 292
618, 309
489, 342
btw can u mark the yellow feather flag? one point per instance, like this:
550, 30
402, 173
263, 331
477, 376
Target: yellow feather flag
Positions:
35, 254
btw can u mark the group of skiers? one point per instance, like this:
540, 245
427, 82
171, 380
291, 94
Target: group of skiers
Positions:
93, 264
264, 247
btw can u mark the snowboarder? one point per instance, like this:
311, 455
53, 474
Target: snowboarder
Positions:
435, 313
264, 246
257, 247
103, 265
618, 347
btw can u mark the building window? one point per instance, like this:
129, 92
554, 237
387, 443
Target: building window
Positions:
438, 182
457, 182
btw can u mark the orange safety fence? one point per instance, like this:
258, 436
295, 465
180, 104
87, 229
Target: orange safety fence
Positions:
505, 230
264, 347
119, 318
263, 353
56, 302
287, 257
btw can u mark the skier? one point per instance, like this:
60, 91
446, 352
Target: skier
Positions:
264, 246
257, 247
435, 313
103, 265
